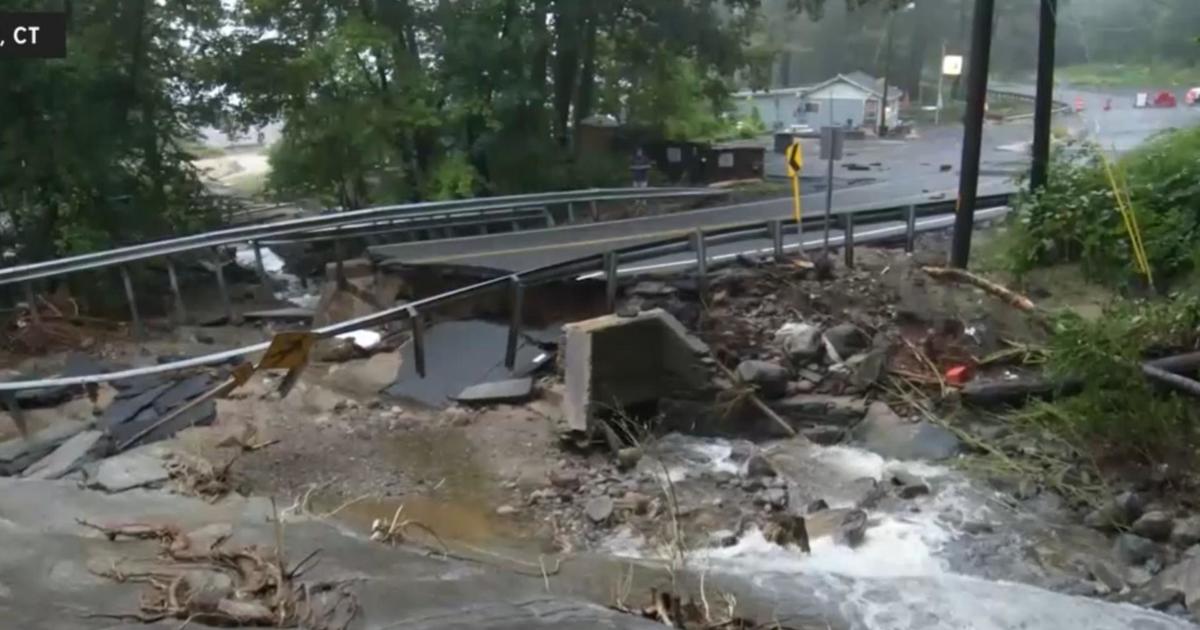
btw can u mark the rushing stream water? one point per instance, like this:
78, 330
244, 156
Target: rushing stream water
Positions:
917, 569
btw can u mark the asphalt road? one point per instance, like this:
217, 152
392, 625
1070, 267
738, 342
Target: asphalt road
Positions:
905, 171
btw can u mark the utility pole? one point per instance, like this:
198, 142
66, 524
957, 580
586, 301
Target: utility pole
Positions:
1043, 108
968, 185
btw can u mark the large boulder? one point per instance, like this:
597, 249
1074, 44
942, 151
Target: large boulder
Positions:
1156, 526
889, 435
1134, 550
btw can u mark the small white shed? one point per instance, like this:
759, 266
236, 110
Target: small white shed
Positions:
847, 101
776, 108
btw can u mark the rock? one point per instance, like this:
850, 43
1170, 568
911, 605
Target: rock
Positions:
1107, 575
816, 506
652, 289
976, 528
868, 492
885, 433
1103, 518
741, 451
19, 453
456, 417
844, 341
599, 509
564, 479
131, 470
637, 502
788, 530
65, 458
1185, 532
1155, 525
821, 409
628, 457
825, 436
776, 498
760, 466
723, 477
810, 376
1130, 505
506, 510
867, 368
1134, 550
770, 378
1184, 578
910, 486
800, 342
498, 392
852, 528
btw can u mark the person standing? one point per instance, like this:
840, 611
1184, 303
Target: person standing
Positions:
640, 168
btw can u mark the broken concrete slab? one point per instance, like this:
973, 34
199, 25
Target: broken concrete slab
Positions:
134, 469
124, 409
202, 415
19, 453
613, 361
76, 365
65, 458
182, 391
510, 391
887, 434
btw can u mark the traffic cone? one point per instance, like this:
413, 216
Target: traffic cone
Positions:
1078, 104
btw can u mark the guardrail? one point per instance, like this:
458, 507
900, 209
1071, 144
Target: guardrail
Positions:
359, 222
605, 265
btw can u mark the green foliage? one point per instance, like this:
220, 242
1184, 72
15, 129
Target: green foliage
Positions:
1120, 411
1076, 217
452, 178
1121, 75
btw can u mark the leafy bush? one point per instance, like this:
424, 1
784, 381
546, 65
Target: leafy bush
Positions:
452, 177
1075, 218
1119, 410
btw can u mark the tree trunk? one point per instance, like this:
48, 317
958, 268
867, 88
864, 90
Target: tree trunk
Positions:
566, 64
918, 49
585, 97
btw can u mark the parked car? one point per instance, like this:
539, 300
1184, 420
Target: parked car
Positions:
1193, 97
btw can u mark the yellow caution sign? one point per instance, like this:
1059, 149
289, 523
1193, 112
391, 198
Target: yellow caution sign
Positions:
795, 164
288, 350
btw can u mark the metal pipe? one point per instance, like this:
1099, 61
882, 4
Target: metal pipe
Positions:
968, 186
910, 229
138, 331
517, 297
180, 311
418, 340
611, 263
848, 238
701, 261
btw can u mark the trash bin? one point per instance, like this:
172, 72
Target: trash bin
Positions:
783, 141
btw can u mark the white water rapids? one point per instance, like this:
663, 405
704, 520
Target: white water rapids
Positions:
903, 576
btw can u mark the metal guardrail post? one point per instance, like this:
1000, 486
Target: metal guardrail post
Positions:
595, 211
339, 272
910, 229
517, 297
418, 340
570, 212
219, 271
180, 311
775, 229
138, 331
611, 262
31, 300
701, 261
848, 239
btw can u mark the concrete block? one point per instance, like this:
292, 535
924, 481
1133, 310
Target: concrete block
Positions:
510, 391
612, 362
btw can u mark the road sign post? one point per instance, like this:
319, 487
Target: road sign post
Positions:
832, 139
795, 164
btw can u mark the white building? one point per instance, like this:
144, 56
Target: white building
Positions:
846, 100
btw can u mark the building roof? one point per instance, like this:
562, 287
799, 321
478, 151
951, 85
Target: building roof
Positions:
860, 80
790, 91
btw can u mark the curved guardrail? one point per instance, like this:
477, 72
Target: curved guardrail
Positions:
179, 245
597, 265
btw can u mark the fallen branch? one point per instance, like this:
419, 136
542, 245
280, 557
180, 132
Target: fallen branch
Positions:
757, 402
1014, 299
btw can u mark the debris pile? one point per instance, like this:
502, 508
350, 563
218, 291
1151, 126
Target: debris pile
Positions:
200, 579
